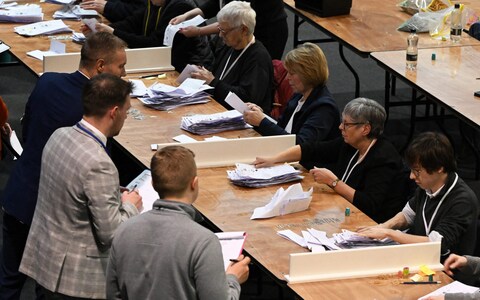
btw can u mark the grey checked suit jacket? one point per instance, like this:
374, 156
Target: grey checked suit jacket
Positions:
77, 212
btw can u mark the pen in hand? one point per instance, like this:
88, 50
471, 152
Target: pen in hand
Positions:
133, 189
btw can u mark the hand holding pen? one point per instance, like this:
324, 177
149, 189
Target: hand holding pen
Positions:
239, 268
132, 196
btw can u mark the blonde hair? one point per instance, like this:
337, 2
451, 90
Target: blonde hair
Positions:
309, 62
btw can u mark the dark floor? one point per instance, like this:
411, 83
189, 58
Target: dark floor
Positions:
16, 84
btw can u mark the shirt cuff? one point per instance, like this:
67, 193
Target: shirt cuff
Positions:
409, 214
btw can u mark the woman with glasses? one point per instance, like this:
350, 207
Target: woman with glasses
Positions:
312, 113
362, 166
243, 66
443, 208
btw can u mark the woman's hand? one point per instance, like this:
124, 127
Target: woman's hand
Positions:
323, 175
190, 31
178, 19
263, 162
97, 5
254, 115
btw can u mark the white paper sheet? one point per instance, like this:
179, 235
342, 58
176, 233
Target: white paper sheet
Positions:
234, 101
454, 287
183, 138
284, 202
143, 183
173, 29
139, 88
186, 73
56, 47
15, 143
232, 245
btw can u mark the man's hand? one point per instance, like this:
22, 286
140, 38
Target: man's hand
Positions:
133, 197
454, 262
239, 269
97, 5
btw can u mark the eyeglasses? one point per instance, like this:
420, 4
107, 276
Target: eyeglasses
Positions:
416, 172
347, 125
225, 32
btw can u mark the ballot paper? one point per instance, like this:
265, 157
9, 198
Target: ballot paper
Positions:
45, 27
166, 97
15, 143
232, 245
302, 241
214, 123
74, 12
139, 88
143, 183
186, 73
27, 13
60, 1
173, 29
249, 176
454, 287
348, 239
3, 47
56, 47
284, 202
234, 101
91, 23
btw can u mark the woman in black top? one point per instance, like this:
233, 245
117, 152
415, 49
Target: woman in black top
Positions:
364, 167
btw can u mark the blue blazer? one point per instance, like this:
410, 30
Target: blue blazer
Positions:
317, 120
55, 102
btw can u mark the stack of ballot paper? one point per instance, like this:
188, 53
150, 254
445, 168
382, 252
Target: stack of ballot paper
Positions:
285, 202
74, 12
314, 239
45, 27
248, 175
209, 124
22, 14
166, 97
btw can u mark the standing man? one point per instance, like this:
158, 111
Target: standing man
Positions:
177, 258
55, 102
443, 208
79, 203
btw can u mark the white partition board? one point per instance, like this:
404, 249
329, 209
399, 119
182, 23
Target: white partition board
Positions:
138, 60
362, 262
228, 152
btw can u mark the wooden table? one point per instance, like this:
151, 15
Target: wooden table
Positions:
370, 27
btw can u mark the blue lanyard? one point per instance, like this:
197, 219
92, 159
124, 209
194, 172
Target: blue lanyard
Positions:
93, 136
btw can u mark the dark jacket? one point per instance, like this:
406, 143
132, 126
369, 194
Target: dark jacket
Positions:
117, 10
317, 120
147, 28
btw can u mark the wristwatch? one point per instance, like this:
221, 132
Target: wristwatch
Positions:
334, 183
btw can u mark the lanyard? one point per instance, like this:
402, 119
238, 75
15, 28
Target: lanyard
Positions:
345, 175
93, 136
429, 226
224, 74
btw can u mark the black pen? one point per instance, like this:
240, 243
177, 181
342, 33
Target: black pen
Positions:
134, 187
421, 282
234, 260
152, 75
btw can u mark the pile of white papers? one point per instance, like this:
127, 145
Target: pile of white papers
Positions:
166, 97
346, 240
284, 202
248, 175
45, 27
74, 12
209, 124
349, 239
22, 14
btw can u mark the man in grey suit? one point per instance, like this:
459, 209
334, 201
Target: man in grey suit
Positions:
164, 253
79, 202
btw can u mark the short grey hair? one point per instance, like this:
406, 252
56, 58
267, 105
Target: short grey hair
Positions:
368, 111
237, 13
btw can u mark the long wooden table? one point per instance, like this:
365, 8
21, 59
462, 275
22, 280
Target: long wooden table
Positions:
228, 207
370, 27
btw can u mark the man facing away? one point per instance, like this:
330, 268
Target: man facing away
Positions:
79, 203
165, 253
55, 102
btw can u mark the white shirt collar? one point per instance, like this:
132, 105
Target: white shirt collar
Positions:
97, 132
432, 195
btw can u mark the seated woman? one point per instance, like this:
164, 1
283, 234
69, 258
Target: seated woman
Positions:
243, 66
311, 113
366, 169
147, 28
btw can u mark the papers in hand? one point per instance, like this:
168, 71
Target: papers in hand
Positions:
186, 73
173, 29
284, 202
454, 287
234, 101
143, 183
249, 176
45, 27
166, 97
22, 13
232, 245
209, 124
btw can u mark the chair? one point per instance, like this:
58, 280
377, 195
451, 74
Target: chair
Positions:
283, 90
5, 141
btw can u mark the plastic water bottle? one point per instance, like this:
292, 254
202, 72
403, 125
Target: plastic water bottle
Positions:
412, 50
456, 24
